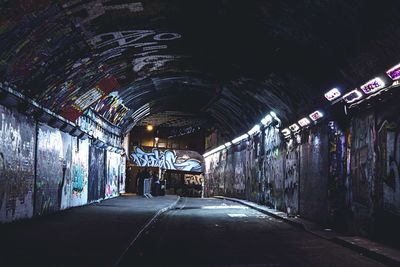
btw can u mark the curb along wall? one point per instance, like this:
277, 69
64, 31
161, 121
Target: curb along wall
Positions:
64, 176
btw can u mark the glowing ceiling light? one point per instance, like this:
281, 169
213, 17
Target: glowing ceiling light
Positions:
228, 144
254, 130
215, 150
240, 138
394, 73
286, 132
273, 114
266, 120
373, 85
352, 96
316, 115
294, 127
149, 128
304, 122
332, 94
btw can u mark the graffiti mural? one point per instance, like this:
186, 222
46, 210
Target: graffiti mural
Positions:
96, 181
389, 164
79, 172
53, 182
122, 174
291, 182
181, 160
17, 152
112, 108
112, 174
314, 175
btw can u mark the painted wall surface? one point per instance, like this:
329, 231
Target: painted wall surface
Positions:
314, 174
291, 182
79, 172
388, 134
96, 187
53, 182
113, 161
17, 156
44, 170
122, 174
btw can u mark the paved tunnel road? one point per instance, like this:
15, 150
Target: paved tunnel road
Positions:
210, 232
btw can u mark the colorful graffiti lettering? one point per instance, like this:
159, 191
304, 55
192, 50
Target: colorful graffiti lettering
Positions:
164, 159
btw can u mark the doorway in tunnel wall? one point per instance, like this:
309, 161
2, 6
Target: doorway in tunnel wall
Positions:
96, 186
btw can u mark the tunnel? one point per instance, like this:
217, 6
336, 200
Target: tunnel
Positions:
199, 133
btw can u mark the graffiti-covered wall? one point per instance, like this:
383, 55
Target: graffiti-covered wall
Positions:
343, 174
53, 182
17, 154
44, 170
112, 174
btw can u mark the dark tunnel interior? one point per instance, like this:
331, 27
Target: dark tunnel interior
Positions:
292, 105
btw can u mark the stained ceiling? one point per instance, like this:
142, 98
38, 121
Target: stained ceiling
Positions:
216, 63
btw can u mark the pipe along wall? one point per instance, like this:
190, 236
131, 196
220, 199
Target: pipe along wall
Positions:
44, 170
345, 177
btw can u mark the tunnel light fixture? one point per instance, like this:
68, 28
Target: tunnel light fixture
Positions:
227, 144
266, 120
240, 138
394, 72
316, 115
273, 114
332, 94
352, 96
286, 132
294, 127
304, 122
254, 130
373, 85
215, 150
149, 127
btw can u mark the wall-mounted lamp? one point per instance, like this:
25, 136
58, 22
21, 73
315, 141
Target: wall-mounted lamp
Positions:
352, 96
373, 86
332, 94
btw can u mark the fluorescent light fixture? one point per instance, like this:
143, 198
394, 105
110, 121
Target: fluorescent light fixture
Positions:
240, 138
373, 85
294, 127
228, 144
273, 114
266, 120
352, 96
215, 150
254, 130
316, 115
304, 122
394, 73
285, 132
332, 94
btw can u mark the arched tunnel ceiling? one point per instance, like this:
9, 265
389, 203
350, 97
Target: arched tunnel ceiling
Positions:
216, 63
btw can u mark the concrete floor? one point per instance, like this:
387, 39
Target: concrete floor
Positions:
210, 232
198, 232
93, 235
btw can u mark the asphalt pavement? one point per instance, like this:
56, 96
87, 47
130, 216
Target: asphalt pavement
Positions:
94, 235
214, 232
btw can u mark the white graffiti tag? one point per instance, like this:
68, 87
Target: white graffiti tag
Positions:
164, 160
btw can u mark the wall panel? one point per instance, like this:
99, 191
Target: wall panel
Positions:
17, 152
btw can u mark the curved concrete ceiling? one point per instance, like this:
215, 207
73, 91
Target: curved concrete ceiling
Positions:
222, 63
